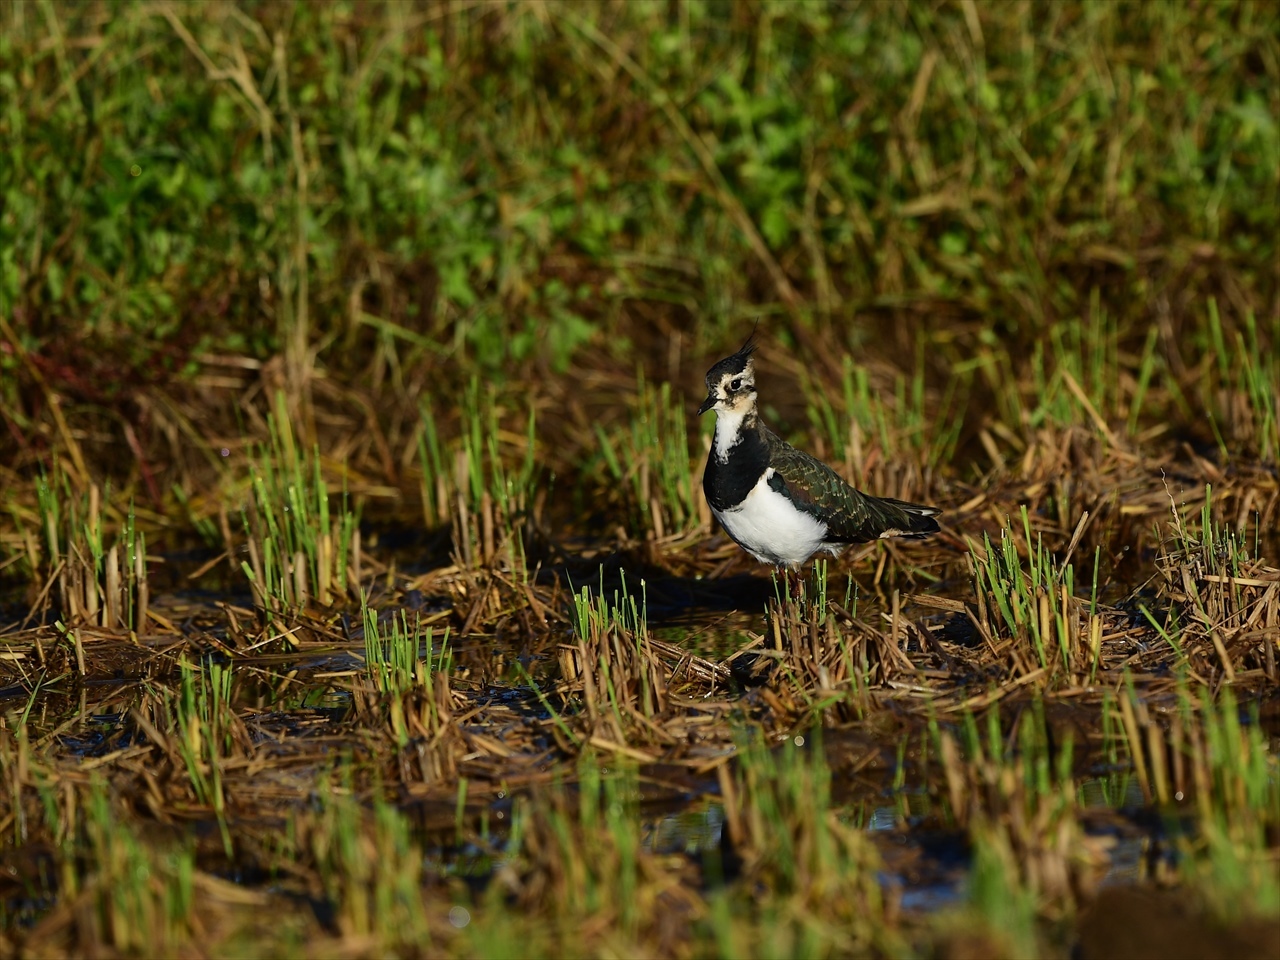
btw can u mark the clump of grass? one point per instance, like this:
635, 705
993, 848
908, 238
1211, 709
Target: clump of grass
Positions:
369, 866
404, 656
143, 899
999, 902
197, 727
1072, 377
581, 849
473, 488
407, 670
1215, 755
650, 460
823, 658
1030, 611
1015, 796
133, 895
1222, 598
815, 874
300, 552
34, 807
205, 723
1240, 393
869, 429
621, 677
96, 585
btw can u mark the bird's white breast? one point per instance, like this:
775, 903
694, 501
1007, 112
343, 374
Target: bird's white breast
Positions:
769, 526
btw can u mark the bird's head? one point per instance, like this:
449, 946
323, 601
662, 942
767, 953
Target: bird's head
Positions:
731, 383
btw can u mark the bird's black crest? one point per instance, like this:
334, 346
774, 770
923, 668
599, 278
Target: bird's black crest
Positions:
735, 363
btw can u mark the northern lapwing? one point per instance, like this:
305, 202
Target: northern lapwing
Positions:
779, 504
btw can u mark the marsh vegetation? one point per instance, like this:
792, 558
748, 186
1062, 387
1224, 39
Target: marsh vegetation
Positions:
359, 595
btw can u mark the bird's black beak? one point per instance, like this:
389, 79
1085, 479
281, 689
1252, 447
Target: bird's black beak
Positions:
707, 404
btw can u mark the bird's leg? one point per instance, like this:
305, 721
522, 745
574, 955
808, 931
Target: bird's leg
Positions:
795, 585
785, 584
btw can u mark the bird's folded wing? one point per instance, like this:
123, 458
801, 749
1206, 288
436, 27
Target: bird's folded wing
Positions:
850, 515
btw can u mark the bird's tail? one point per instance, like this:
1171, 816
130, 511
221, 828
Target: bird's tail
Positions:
902, 519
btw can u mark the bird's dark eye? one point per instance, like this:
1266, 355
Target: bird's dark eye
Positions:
736, 384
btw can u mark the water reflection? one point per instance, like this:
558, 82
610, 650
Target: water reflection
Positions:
690, 831
883, 818
1115, 791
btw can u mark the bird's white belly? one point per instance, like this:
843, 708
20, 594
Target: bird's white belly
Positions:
771, 529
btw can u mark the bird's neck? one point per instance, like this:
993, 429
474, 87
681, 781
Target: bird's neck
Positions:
731, 426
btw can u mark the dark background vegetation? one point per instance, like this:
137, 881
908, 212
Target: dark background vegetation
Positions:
370, 204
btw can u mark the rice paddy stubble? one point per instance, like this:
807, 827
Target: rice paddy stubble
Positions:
1040, 238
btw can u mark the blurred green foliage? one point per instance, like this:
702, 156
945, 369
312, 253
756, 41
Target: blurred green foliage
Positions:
504, 181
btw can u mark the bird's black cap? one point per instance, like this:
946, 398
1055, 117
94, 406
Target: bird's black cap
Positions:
732, 364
